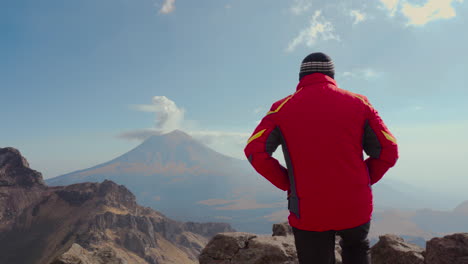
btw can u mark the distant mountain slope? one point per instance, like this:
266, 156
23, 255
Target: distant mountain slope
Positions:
87, 220
188, 181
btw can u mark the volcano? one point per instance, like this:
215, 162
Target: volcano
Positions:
188, 181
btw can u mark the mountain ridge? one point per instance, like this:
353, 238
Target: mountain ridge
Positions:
94, 219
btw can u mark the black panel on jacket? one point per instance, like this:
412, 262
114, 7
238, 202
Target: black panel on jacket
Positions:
370, 142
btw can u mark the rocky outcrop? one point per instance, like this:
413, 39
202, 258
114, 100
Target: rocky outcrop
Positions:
448, 249
88, 223
392, 249
229, 248
15, 171
246, 248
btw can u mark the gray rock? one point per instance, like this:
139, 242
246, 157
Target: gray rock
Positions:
392, 249
282, 229
449, 249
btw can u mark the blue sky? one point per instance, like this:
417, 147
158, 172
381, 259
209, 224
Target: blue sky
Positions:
82, 81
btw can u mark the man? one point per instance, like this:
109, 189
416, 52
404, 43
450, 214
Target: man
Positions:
323, 131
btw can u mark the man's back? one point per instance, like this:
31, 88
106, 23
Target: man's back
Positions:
322, 126
323, 130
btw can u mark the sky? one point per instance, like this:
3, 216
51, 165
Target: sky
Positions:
82, 82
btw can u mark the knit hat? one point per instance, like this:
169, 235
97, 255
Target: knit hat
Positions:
317, 62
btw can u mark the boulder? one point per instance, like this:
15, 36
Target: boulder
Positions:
78, 255
449, 249
392, 249
229, 248
282, 229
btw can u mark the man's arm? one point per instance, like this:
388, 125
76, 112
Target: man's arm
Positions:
379, 144
260, 146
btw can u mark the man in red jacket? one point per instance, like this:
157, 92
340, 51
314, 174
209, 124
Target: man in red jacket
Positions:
323, 131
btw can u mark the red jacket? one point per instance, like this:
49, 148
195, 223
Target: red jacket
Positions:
323, 131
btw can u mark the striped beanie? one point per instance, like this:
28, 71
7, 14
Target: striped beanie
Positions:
317, 62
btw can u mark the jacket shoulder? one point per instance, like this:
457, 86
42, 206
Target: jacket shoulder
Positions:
276, 104
359, 97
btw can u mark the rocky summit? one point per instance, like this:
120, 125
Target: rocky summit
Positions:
88, 223
246, 248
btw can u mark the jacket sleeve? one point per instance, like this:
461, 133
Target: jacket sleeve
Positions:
379, 144
260, 147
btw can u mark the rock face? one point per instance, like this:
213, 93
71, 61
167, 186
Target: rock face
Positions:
88, 223
15, 171
20, 186
392, 249
448, 249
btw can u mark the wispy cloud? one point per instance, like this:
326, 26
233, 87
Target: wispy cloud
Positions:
366, 74
358, 16
259, 109
300, 6
167, 7
319, 28
419, 15
390, 5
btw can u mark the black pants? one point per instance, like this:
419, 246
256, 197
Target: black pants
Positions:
319, 247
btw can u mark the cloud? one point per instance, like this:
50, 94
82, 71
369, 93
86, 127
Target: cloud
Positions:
419, 15
390, 5
167, 7
168, 115
300, 6
259, 109
358, 16
319, 28
366, 74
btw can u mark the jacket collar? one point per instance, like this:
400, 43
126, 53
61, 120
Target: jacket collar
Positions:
314, 79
